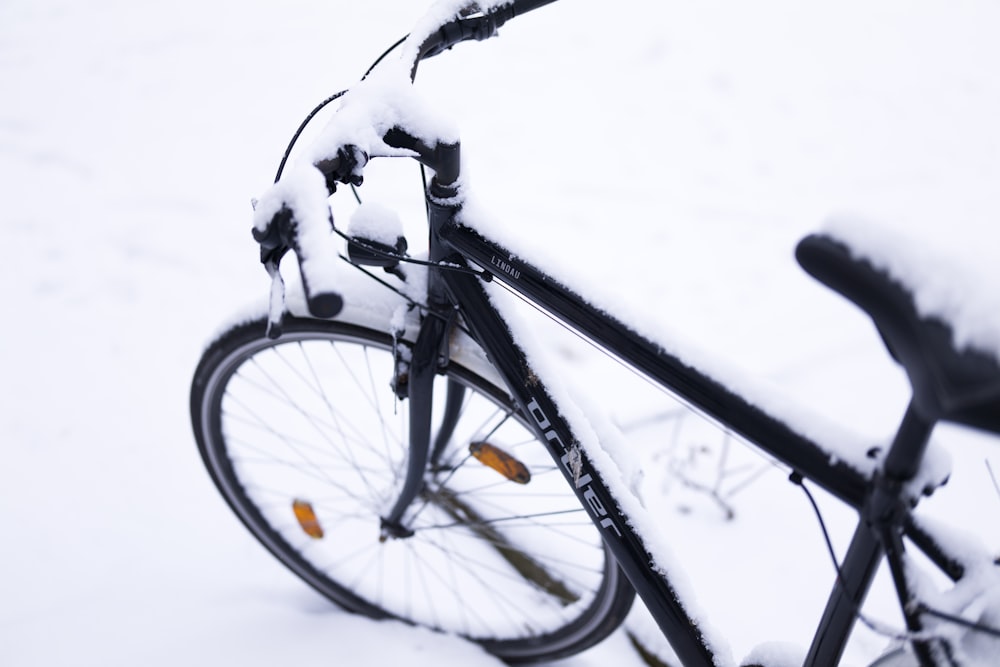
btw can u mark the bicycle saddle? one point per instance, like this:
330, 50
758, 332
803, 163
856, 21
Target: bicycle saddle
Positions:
950, 384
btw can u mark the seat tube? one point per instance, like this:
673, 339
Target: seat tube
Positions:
854, 579
882, 517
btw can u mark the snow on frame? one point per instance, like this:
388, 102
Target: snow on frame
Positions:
618, 469
840, 441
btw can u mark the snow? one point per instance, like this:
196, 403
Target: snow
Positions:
373, 107
961, 293
605, 447
665, 156
303, 192
778, 655
375, 222
436, 14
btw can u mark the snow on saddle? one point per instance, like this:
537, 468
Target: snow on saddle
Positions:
950, 381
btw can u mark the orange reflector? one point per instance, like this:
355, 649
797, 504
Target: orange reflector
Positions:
307, 519
501, 461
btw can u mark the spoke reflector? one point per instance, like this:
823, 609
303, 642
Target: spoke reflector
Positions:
505, 464
307, 519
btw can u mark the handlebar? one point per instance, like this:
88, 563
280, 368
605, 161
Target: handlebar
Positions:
295, 216
478, 27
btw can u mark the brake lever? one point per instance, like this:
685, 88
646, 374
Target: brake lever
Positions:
276, 300
272, 248
346, 167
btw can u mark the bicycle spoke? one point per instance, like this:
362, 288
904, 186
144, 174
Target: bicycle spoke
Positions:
309, 443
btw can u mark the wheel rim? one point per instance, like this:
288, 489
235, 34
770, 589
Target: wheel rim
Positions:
311, 419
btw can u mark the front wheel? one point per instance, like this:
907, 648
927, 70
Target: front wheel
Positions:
307, 441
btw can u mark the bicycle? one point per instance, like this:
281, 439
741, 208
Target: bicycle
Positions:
401, 445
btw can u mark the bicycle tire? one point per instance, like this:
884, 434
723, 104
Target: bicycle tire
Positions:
517, 568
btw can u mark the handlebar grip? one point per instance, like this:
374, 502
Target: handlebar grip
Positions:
320, 303
317, 253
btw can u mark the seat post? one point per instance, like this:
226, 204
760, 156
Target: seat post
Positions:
905, 455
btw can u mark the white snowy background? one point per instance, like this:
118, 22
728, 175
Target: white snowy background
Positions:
674, 152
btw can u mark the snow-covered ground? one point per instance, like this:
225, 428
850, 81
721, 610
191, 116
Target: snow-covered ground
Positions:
672, 153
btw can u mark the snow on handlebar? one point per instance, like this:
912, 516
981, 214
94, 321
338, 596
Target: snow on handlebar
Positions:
294, 214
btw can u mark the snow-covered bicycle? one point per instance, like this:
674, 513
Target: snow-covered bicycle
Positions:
401, 443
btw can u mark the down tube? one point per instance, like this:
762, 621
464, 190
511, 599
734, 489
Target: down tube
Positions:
660, 597
708, 395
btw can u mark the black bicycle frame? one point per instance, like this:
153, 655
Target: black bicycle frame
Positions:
884, 516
